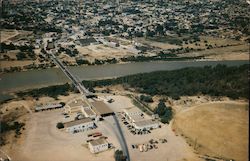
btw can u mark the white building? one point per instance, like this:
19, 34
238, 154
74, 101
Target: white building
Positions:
139, 120
79, 125
75, 106
133, 114
98, 145
146, 124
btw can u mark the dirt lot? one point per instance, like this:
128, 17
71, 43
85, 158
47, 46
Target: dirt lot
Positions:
157, 44
7, 34
101, 52
239, 52
42, 141
217, 129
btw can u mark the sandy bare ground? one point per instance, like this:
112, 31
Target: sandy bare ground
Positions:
101, 51
239, 52
230, 56
7, 64
44, 142
161, 45
218, 129
7, 34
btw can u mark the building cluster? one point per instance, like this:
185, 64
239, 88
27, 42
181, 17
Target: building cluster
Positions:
86, 116
130, 18
138, 120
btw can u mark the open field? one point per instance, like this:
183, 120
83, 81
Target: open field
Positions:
232, 50
14, 35
101, 51
8, 64
7, 34
162, 45
217, 129
239, 52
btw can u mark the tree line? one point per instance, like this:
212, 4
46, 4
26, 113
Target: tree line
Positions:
220, 80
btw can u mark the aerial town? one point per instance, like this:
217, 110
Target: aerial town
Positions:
124, 80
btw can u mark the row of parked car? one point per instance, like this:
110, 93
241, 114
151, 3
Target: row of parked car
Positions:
133, 130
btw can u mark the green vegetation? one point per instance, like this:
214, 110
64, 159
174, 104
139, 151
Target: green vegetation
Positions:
5, 127
82, 61
51, 91
170, 40
119, 156
60, 125
21, 56
165, 113
214, 81
161, 57
147, 99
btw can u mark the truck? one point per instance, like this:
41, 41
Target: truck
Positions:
97, 134
141, 148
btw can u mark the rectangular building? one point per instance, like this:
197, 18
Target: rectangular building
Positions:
133, 114
79, 125
48, 107
146, 124
98, 145
101, 109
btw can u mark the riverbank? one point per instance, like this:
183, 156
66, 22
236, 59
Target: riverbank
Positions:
19, 81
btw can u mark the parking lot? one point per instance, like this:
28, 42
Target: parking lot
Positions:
42, 141
162, 143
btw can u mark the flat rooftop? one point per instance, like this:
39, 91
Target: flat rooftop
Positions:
136, 118
99, 141
48, 106
77, 122
89, 111
100, 108
132, 110
145, 122
78, 102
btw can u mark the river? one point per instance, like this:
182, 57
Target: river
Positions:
11, 82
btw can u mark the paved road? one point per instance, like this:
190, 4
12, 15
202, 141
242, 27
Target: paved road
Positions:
112, 124
122, 138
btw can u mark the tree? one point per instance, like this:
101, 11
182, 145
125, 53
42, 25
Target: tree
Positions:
147, 99
60, 125
119, 156
21, 56
164, 112
62, 103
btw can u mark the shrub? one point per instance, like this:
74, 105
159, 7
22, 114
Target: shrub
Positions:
60, 125
119, 156
147, 99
